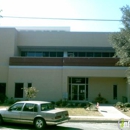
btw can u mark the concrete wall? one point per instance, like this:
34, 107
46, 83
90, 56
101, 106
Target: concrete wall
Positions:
46, 80
52, 82
104, 86
43, 38
7, 49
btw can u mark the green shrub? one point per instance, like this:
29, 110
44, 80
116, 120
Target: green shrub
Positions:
58, 103
100, 99
127, 104
119, 104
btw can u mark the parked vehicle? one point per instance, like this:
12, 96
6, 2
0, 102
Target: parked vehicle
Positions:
37, 113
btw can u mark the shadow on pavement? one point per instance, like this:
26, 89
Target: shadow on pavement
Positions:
8, 126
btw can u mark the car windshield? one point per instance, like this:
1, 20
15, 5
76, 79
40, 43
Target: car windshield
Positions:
47, 106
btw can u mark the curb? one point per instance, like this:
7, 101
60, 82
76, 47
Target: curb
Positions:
95, 120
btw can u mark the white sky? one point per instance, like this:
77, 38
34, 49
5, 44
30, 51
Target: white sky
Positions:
79, 9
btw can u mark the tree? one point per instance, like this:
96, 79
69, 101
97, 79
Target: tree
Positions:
0, 11
30, 92
121, 40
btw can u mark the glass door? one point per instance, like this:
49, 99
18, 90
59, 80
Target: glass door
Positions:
78, 92
74, 94
81, 92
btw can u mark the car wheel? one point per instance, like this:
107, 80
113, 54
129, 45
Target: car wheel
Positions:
1, 120
39, 123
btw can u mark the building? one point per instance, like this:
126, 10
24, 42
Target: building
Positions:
60, 64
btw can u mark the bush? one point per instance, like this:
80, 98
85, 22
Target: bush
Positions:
100, 99
119, 104
127, 104
58, 103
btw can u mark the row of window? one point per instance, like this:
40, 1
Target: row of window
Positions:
90, 54
42, 54
69, 54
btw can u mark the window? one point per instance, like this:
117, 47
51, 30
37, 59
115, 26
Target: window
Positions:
59, 54
38, 54
111, 54
18, 90
30, 54
16, 107
89, 54
45, 54
70, 54
81, 54
30, 107
97, 54
3, 88
47, 106
105, 54
29, 85
52, 54
23, 53
114, 91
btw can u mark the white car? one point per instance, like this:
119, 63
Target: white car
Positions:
38, 113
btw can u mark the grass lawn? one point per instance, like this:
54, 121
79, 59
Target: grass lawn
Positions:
81, 112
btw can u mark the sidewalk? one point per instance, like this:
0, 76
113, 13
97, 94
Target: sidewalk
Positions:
110, 114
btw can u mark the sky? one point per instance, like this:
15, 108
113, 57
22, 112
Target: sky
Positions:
36, 12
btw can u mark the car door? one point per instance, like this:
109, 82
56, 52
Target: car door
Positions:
29, 112
13, 113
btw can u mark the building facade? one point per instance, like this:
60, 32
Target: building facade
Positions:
77, 66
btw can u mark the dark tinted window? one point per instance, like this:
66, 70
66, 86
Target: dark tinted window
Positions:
59, 54
52, 54
30, 107
89, 54
18, 90
45, 54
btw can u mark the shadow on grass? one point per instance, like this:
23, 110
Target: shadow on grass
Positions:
12, 126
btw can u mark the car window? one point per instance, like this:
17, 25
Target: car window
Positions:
47, 106
30, 107
16, 107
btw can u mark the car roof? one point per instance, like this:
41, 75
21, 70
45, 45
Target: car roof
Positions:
36, 102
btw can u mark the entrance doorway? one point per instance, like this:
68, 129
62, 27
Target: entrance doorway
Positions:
78, 92
77, 88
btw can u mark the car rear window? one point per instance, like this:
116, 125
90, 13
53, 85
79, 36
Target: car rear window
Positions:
47, 106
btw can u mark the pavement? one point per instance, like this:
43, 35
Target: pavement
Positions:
109, 112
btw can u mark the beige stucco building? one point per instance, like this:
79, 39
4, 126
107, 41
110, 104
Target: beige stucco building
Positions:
60, 64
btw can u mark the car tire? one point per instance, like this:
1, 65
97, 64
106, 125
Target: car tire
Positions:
39, 123
1, 120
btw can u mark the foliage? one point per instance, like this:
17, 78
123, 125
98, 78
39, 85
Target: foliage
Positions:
100, 99
123, 106
0, 11
121, 40
30, 92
